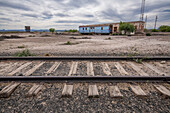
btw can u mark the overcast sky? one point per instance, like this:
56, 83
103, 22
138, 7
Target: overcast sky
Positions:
69, 14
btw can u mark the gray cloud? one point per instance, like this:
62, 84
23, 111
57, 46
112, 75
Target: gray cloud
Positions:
88, 15
30, 15
14, 5
155, 6
81, 3
62, 15
111, 14
81, 21
163, 17
47, 15
168, 10
6, 19
2, 14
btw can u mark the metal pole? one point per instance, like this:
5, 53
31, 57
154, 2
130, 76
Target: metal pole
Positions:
146, 21
156, 21
142, 10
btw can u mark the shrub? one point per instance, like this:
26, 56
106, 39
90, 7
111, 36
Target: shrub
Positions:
145, 30
154, 30
21, 46
45, 35
138, 60
46, 54
115, 34
15, 36
68, 43
31, 36
71, 30
120, 34
24, 53
109, 38
148, 34
10, 37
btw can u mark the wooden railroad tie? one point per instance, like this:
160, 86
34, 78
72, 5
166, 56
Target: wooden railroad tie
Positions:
137, 69
35, 89
8, 90
120, 69
73, 69
93, 91
90, 71
67, 90
19, 69
162, 90
53, 67
115, 92
154, 69
106, 69
138, 91
29, 72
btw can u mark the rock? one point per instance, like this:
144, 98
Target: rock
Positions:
163, 62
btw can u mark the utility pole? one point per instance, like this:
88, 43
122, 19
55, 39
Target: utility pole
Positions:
146, 21
156, 19
142, 10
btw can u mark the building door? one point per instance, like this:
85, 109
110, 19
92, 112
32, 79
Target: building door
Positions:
115, 29
110, 28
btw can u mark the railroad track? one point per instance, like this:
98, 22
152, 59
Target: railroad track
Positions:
83, 68
91, 71
115, 90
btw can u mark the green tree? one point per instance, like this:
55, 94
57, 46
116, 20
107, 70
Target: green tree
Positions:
164, 28
52, 30
168, 29
126, 27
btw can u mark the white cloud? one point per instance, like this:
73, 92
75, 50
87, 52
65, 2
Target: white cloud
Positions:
69, 14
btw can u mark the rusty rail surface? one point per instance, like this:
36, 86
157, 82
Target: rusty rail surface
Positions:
86, 78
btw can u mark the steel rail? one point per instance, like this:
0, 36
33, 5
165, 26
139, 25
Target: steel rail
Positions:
85, 78
86, 58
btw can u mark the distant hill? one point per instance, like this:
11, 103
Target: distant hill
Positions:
32, 30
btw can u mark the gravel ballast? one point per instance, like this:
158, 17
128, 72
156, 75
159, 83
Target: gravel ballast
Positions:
49, 100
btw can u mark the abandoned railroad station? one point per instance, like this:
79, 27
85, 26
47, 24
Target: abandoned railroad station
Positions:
109, 28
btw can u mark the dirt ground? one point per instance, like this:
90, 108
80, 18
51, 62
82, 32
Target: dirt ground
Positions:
97, 45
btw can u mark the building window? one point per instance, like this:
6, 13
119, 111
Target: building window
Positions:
101, 28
